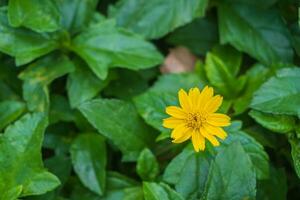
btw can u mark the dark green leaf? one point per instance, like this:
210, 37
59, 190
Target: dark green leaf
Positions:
295, 144
280, 94
199, 36
119, 122
224, 183
20, 148
88, 153
38, 15
276, 123
82, 81
188, 171
262, 28
274, 188
103, 45
76, 14
155, 18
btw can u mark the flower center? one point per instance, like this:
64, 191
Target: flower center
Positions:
195, 120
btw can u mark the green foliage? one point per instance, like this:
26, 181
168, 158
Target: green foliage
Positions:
83, 98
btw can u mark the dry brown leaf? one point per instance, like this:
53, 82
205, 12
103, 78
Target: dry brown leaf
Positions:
179, 59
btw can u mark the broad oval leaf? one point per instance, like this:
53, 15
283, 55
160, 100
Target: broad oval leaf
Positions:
103, 45
88, 153
280, 94
143, 16
38, 15
20, 148
147, 166
262, 28
119, 122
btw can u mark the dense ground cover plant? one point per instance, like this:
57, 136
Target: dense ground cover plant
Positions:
83, 99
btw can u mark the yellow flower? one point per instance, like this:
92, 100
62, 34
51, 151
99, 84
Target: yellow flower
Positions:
196, 118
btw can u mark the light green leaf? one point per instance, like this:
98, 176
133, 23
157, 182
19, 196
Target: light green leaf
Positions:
152, 104
103, 45
161, 191
155, 18
222, 66
38, 15
88, 153
10, 111
39, 75
24, 45
119, 122
280, 94
20, 148
225, 184
262, 28
147, 166
82, 81
275, 123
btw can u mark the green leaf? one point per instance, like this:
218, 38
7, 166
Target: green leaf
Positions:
295, 145
20, 148
126, 84
223, 183
280, 94
60, 110
222, 66
23, 44
256, 3
199, 36
82, 81
275, 187
259, 158
188, 171
255, 76
76, 14
262, 28
275, 123
10, 111
154, 19
147, 166
152, 104
39, 75
103, 45
38, 15
161, 191
88, 153
119, 122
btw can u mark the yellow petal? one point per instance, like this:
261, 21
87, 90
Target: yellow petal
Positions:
198, 141
213, 104
172, 122
179, 131
184, 100
214, 130
176, 112
205, 96
210, 137
218, 119
194, 96
184, 137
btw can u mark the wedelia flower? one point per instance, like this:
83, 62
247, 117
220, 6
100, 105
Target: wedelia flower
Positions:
196, 118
